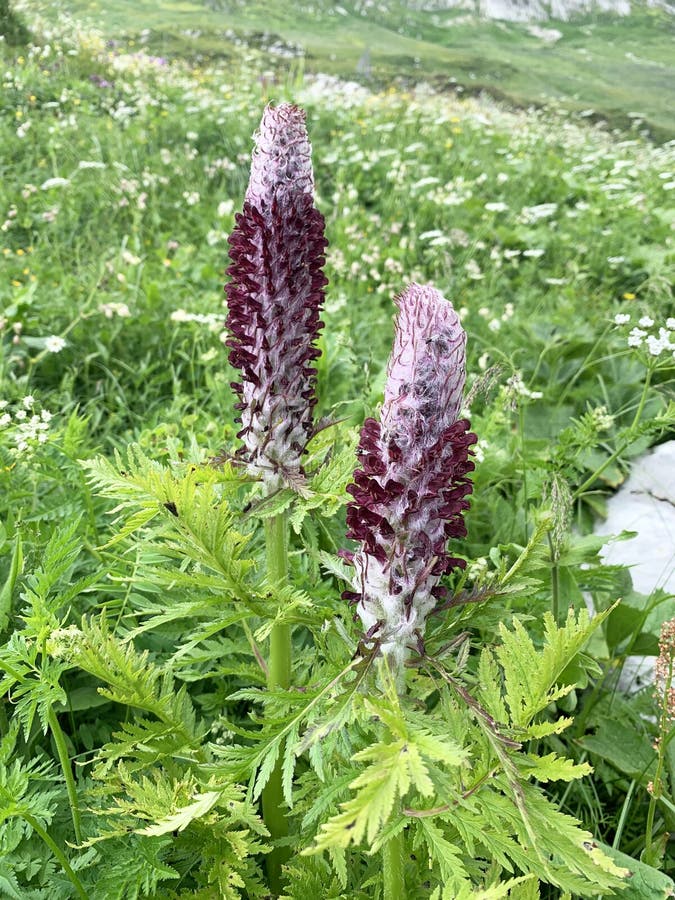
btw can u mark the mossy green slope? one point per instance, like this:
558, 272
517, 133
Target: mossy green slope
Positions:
619, 69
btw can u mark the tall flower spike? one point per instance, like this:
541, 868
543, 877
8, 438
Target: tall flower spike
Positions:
411, 489
274, 297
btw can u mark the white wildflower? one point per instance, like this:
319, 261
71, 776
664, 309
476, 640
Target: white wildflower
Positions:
192, 198
531, 214
602, 419
130, 258
478, 568
114, 309
54, 343
473, 270
54, 183
479, 450
636, 337
655, 345
517, 387
225, 208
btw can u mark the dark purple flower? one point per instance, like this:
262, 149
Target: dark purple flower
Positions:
412, 487
274, 297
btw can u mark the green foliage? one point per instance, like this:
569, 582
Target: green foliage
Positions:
531, 677
12, 27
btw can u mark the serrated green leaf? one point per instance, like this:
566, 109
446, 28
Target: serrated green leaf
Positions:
553, 768
531, 676
179, 820
645, 882
446, 854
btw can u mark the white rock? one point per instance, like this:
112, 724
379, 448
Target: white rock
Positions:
645, 504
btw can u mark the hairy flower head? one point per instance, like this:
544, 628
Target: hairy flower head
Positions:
274, 296
410, 490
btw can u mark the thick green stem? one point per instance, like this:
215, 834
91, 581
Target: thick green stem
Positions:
393, 878
64, 759
58, 853
392, 868
521, 428
279, 667
555, 582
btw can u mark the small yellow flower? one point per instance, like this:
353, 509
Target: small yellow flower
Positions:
449, 143
166, 262
629, 296
19, 252
16, 283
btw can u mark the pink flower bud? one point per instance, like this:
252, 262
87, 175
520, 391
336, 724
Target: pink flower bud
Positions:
274, 297
411, 489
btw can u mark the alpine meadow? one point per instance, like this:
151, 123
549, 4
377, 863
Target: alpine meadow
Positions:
319, 376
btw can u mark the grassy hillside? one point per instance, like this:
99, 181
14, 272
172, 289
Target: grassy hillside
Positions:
620, 69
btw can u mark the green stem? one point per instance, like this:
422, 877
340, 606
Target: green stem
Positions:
555, 581
392, 868
279, 676
616, 843
598, 472
521, 428
393, 878
58, 853
64, 759
643, 398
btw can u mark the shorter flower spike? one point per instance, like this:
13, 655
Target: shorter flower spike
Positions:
410, 491
274, 298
